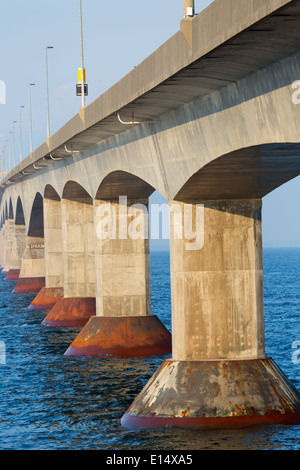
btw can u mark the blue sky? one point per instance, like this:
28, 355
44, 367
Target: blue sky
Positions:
117, 36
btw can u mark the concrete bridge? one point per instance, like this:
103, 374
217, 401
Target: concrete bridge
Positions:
207, 120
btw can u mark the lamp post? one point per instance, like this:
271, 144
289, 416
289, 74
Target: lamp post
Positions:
10, 152
82, 59
8, 157
48, 117
189, 8
2, 157
30, 85
21, 152
14, 146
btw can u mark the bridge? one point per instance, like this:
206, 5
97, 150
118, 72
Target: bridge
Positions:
208, 120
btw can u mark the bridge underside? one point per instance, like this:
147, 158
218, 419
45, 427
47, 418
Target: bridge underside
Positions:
249, 173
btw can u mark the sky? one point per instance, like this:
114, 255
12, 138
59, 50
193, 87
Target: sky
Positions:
118, 35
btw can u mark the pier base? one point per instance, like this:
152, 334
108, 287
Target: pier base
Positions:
13, 275
46, 298
122, 336
215, 394
71, 312
29, 285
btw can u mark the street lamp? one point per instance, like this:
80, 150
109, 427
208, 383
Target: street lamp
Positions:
82, 61
21, 156
8, 160
14, 122
2, 157
30, 85
48, 118
189, 8
10, 150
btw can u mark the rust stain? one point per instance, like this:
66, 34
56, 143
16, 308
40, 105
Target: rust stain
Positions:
216, 387
122, 336
29, 285
71, 312
184, 413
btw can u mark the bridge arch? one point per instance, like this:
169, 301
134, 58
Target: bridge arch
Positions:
247, 173
36, 221
73, 191
6, 210
19, 213
10, 209
51, 193
121, 183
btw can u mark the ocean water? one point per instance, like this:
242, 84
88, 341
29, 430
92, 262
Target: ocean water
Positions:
53, 402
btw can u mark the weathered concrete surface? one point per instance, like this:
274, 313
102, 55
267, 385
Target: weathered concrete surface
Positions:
78, 248
217, 289
123, 324
122, 336
215, 394
29, 285
46, 298
13, 241
71, 312
32, 272
33, 260
13, 275
7, 244
53, 244
122, 258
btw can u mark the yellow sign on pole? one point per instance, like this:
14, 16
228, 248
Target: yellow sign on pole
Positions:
79, 75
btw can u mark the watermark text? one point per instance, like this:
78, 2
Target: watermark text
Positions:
296, 354
122, 221
2, 353
296, 93
2, 92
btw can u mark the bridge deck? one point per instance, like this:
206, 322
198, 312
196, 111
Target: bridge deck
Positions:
229, 40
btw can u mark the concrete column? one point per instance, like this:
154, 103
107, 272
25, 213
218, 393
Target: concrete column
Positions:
8, 240
4, 234
217, 291
123, 263
218, 375
123, 324
32, 272
1, 247
13, 242
53, 290
78, 254
17, 247
4, 231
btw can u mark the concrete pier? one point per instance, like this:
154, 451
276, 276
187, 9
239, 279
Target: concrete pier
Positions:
53, 290
8, 241
32, 272
17, 250
78, 256
123, 324
219, 375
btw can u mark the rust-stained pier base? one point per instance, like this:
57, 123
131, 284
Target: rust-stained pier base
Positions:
219, 375
71, 312
46, 298
123, 325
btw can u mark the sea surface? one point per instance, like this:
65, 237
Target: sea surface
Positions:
53, 402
